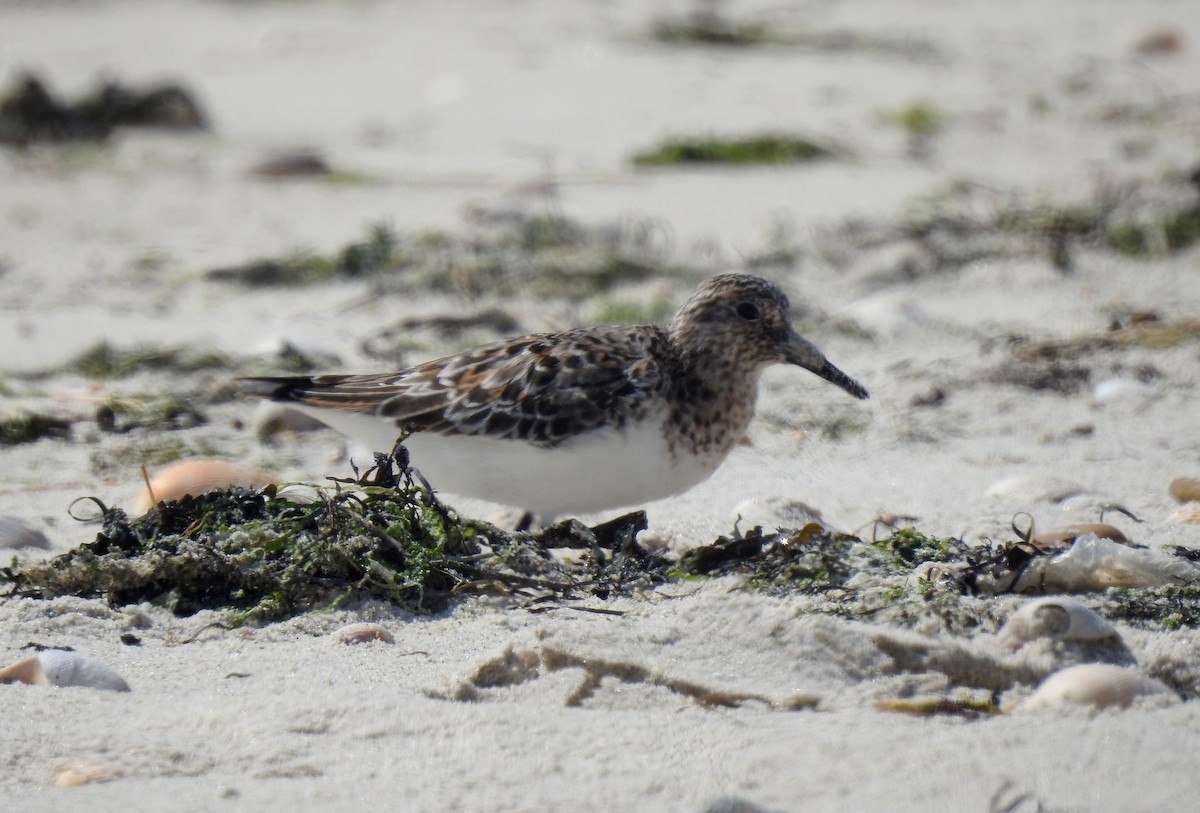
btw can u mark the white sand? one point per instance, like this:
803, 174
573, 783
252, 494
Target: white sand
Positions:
454, 105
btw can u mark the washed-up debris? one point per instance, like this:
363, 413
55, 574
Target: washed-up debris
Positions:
380, 536
31, 113
762, 149
972, 223
707, 25
292, 164
285, 549
520, 253
32, 426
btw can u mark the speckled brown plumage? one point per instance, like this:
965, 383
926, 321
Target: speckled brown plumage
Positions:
696, 378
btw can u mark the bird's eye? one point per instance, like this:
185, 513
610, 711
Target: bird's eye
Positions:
749, 311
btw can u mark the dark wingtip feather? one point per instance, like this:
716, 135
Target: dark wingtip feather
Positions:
275, 389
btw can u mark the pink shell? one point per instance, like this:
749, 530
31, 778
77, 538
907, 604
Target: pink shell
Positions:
195, 477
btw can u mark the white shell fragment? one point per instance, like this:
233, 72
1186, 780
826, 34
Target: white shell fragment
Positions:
1093, 564
1100, 685
1060, 618
362, 633
195, 477
1186, 515
58, 667
16, 534
272, 418
1034, 488
1114, 390
775, 512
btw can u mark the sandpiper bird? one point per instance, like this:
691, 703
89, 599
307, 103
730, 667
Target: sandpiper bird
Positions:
578, 421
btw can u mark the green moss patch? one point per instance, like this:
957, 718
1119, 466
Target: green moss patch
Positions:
764, 149
968, 224
32, 426
105, 361
706, 25
506, 253
377, 252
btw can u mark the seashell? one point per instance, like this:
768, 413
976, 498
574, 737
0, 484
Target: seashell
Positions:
775, 512
888, 314
72, 776
362, 633
16, 534
299, 493
1113, 390
59, 667
1100, 685
1060, 539
272, 418
318, 353
1060, 618
1159, 42
1185, 489
1186, 515
195, 477
1034, 488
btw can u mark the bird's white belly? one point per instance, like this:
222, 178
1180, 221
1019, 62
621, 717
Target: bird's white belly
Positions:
603, 469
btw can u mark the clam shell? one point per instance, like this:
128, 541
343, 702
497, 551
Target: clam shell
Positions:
58, 667
73, 776
195, 477
361, 633
1100, 685
1186, 515
1034, 488
1058, 617
16, 534
271, 419
1185, 489
775, 512
1059, 539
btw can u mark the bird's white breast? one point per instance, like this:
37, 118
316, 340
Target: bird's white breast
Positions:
600, 470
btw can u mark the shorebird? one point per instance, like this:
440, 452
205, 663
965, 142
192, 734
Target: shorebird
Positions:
582, 420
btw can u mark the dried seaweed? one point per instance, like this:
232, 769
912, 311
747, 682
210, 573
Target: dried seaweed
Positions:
971, 223
762, 149
32, 426
31, 113
507, 253
384, 535
379, 536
